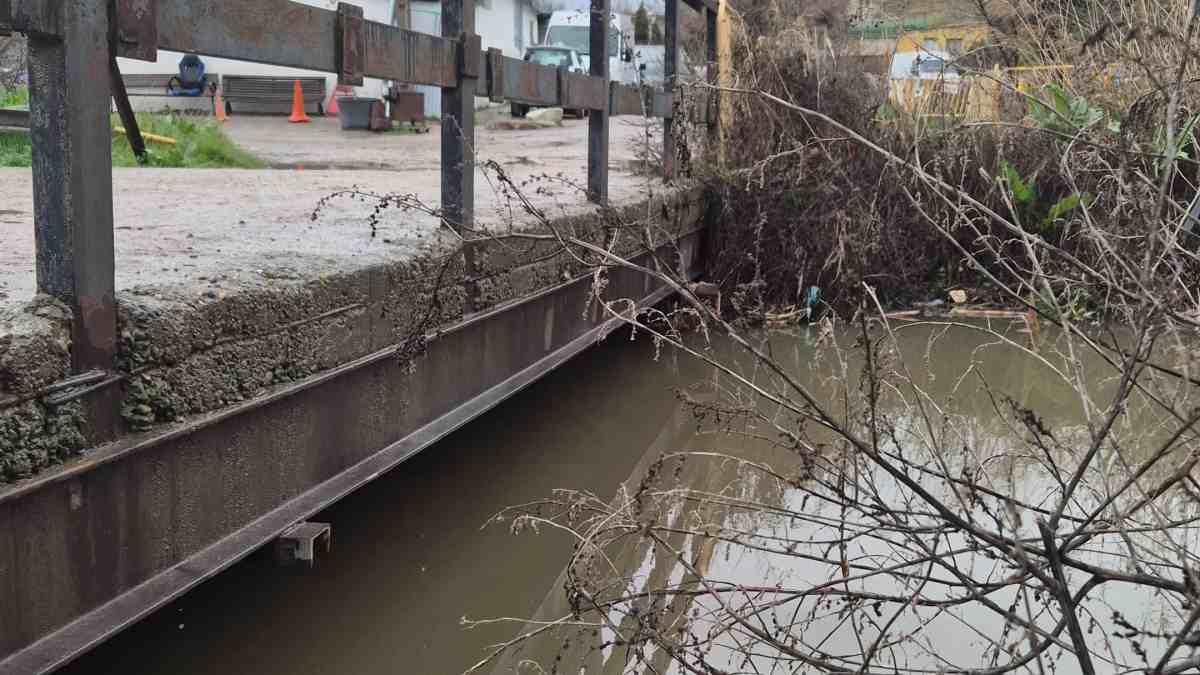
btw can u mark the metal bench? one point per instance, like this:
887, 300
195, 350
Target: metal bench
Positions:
155, 84
252, 89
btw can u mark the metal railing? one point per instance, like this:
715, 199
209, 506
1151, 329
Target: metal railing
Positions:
72, 66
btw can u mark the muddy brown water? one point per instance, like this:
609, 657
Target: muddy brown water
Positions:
412, 556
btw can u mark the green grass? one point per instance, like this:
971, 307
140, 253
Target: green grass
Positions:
14, 98
15, 150
202, 144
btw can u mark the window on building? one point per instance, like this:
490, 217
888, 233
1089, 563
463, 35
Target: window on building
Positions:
930, 44
954, 46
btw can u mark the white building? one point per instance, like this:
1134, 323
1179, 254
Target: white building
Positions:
509, 25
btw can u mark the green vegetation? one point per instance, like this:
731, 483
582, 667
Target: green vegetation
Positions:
17, 97
1032, 208
201, 144
1069, 114
15, 150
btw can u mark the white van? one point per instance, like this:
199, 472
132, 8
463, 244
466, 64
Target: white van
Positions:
573, 28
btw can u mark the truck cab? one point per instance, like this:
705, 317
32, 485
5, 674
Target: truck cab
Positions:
572, 28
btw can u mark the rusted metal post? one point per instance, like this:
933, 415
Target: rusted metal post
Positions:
458, 116
125, 110
72, 182
598, 119
712, 75
670, 56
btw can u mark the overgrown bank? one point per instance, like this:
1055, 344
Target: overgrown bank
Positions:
827, 184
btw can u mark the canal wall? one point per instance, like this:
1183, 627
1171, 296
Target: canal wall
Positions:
247, 411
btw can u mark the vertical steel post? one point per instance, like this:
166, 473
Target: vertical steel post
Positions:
713, 75
458, 120
598, 119
670, 57
72, 183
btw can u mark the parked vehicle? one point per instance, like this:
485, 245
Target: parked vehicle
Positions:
573, 28
924, 66
558, 57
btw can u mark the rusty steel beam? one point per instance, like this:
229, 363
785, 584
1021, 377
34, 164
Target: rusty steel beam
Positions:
18, 119
39, 18
671, 67
408, 56
626, 99
285, 33
350, 44
598, 121
135, 29
495, 74
120, 96
529, 82
583, 91
458, 120
72, 187
278, 32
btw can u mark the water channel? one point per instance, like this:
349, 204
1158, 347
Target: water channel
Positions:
413, 553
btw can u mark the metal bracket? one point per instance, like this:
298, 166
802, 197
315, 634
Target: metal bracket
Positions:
563, 86
299, 542
469, 51
351, 45
136, 34
495, 65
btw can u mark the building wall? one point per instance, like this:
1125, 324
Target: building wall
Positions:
507, 25
949, 38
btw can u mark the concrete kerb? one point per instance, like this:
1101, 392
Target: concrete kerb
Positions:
181, 355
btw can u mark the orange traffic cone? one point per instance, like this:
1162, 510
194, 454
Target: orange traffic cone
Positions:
298, 114
340, 90
219, 107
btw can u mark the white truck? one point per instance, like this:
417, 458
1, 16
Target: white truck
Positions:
572, 28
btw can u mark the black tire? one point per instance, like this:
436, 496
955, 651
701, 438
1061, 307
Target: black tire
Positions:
519, 110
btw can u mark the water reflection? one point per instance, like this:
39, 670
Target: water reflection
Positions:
410, 557
750, 557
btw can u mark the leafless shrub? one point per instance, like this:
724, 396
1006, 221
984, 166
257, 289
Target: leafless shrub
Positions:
903, 517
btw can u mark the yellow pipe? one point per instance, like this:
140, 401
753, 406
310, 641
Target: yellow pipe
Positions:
165, 140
